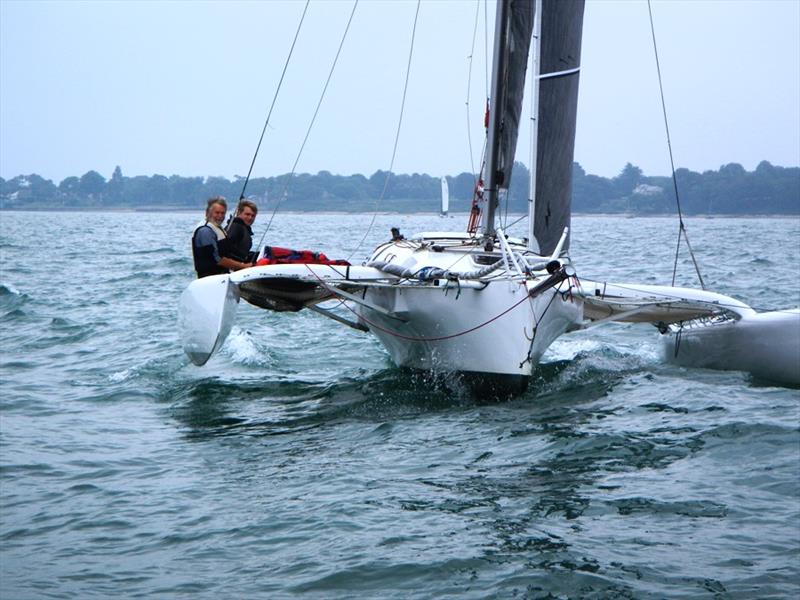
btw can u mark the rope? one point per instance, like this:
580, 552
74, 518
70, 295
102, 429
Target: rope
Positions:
412, 338
681, 226
274, 99
396, 136
310, 125
678, 338
469, 83
537, 321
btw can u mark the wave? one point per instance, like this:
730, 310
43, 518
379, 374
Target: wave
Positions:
6, 289
11, 300
14, 314
686, 508
160, 250
148, 276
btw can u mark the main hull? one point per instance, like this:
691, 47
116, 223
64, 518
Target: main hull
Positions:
488, 327
495, 330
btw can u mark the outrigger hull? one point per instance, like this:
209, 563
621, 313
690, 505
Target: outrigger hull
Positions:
206, 313
703, 329
766, 345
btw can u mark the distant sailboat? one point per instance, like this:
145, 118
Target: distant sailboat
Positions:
445, 197
481, 304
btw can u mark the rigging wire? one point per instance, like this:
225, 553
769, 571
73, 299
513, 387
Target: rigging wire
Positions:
274, 99
505, 210
396, 137
486, 47
514, 222
290, 175
476, 173
681, 226
469, 83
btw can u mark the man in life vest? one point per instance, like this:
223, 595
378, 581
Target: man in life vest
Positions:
240, 232
210, 245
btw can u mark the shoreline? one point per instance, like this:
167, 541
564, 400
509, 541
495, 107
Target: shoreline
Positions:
161, 209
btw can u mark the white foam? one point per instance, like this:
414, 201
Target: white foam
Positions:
120, 376
242, 349
568, 349
649, 352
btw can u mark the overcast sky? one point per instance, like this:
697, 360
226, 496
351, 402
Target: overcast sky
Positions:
184, 87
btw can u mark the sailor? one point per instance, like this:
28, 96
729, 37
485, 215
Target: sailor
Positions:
210, 245
240, 232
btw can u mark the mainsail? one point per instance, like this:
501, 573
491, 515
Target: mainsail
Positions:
513, 30
559, 41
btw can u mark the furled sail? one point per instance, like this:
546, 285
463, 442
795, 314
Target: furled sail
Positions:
512, 40
520, 15
559, 64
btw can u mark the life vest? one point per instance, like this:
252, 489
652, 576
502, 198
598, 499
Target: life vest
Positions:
224, 243
204, 262
240, 239
274, 255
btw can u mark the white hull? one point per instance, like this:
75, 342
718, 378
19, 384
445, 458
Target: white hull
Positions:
490, 326
206, 312
496, 330
766, 345
704, 329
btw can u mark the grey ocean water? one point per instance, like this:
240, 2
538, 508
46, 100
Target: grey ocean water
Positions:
300, 462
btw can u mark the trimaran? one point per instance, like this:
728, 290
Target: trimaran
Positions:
482, 304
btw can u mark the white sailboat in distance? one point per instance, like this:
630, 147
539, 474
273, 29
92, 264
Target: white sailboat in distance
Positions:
445, 197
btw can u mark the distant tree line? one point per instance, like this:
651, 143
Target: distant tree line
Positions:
732, 190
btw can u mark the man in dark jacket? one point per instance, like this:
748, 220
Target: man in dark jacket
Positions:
210, 246
240, 232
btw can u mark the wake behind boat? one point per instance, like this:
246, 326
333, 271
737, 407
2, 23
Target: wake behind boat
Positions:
480, 303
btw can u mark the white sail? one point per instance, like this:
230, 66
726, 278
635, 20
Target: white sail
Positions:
445, 197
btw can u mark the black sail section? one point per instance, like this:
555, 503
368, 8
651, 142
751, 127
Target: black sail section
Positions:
560, 50
520, 16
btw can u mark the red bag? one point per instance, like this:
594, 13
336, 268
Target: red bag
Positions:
275, 255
